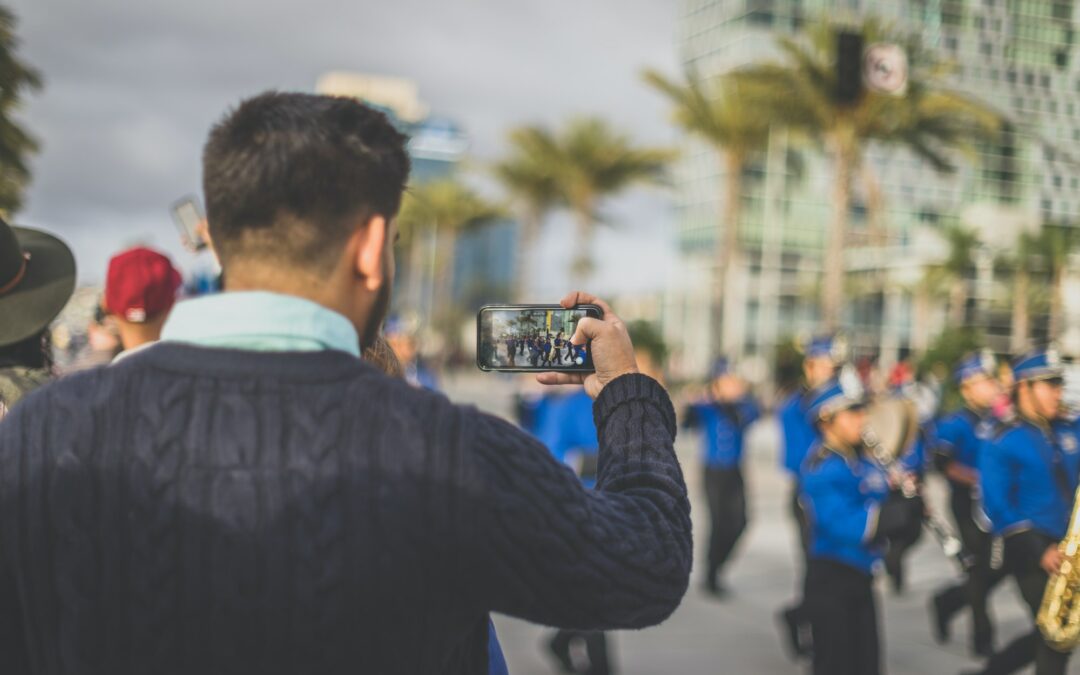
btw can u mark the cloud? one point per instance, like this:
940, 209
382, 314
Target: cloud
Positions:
133, 87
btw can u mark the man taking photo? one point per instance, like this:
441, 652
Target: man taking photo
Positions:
250, 496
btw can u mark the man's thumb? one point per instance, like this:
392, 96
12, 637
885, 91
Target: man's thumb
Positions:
587, 329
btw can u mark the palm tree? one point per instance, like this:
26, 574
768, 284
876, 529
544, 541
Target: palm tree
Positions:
1055, 243
959, 262
802, 92
531, 184
16, 144
445, 207
1023, 262
719, 113
589, 161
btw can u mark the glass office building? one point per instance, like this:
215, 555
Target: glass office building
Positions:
1019, 56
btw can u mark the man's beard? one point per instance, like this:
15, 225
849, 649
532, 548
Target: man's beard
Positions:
375, 321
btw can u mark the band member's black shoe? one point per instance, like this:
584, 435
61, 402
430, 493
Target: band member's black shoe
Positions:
939, 620
561, 651
793, 630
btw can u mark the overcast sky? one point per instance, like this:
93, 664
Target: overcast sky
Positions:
132, 87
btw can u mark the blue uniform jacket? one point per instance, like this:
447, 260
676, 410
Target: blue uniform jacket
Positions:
798, 433
842, 497
567, 428
1021, 489
914, 460
961, 434
724, 427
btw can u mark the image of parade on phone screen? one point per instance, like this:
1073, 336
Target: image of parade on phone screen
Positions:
531, 339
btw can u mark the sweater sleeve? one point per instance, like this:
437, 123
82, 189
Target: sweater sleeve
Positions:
548, 550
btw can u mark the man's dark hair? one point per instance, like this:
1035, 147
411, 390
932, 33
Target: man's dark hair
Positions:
286, 175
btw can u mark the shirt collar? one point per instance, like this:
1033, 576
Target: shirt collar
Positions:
260, 321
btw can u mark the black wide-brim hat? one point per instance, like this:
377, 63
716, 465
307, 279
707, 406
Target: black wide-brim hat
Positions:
37, 278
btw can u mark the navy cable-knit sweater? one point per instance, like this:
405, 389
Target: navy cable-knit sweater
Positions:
194, 510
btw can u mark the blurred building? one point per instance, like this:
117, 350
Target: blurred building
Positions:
483, 258
1020, 56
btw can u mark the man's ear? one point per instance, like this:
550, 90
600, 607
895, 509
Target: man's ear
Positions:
370, 252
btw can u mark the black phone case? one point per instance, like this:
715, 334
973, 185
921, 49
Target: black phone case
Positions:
576, 369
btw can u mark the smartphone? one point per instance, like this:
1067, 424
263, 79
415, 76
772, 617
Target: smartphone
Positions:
532, 338
189, 218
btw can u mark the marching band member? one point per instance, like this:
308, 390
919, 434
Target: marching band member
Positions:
851, 512
820, 358
723, 417
1028, 473
958, 439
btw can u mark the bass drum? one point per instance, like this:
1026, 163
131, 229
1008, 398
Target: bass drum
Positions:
892, 427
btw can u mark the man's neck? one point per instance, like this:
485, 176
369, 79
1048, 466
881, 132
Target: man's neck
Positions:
134, 335
289, 282
979, 411
1029, 414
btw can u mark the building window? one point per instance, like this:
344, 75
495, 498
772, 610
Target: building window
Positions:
760, 17
986, 48
1044, 81
1061, 59
1029, 78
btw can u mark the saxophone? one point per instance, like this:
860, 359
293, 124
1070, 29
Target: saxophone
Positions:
1059, 613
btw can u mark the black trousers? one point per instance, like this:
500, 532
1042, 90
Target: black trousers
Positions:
798, 513
839, 601
1031, 580
982, 578
596, 648
726, 493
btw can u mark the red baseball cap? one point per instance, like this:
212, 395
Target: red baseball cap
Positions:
140, 285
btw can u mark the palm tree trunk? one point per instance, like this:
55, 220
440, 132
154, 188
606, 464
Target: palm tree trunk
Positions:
1021, 316
875, 206
582, 265
1057, 304
415, 282
958, 301
444, 275
920, 336
726, 252
530, 229
843, 142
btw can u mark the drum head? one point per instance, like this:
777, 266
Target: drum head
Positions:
892, 425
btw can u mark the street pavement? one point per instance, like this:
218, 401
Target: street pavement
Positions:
739, 635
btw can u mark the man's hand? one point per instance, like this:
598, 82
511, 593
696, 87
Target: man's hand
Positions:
958, 473
1052, 559
612, 352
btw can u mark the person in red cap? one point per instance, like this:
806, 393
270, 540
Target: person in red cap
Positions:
140, 289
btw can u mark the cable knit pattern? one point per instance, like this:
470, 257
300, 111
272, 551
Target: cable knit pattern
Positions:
210, 511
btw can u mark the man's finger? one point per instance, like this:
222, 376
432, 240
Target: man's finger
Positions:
561, 378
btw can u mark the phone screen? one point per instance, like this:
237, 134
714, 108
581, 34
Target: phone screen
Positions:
189, 218
524, 338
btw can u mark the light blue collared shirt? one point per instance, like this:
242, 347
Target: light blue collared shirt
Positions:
260, 321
